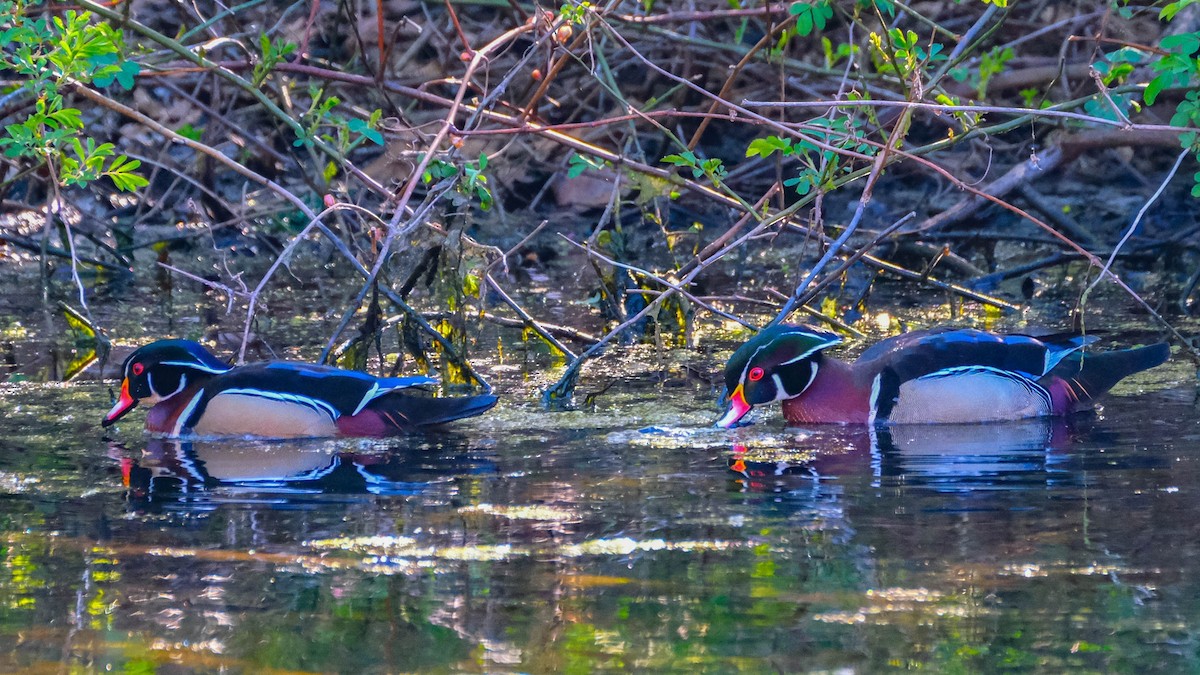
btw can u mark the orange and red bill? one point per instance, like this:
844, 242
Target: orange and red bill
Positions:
124, 404
738, 407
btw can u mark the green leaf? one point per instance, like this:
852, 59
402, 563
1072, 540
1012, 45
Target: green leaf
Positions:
1187, 43
765, 147
470, 285
683, 159
886, 6
1155, 87
121, 173
363, 127
190, 132
1172, 8
68, 118
811, 15
802, 183
126, 76
576, 165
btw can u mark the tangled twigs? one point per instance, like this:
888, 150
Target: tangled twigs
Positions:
527, 320
393, 230
657, 279
477, 60
491, 103
1189, 347
314, 222
895, 137
565, 332
1037, 166
561, 393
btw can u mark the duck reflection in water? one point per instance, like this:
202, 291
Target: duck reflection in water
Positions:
953, 457
169, 467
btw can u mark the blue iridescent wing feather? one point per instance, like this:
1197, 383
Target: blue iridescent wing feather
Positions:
333, 391
965, 353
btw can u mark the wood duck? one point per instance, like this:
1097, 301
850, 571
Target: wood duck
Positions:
938, 376
193, 392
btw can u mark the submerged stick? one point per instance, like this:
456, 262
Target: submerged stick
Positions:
528, 321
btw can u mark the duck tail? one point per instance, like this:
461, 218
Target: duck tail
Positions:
1082, 378
397, 413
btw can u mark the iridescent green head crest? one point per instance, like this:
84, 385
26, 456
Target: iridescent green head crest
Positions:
778, 363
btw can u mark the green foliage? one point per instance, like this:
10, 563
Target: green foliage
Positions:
273, 51
190, 132
321, 121
471, 180
819, 164
835, 56
901, 53
882, 6
1114, 68
574, 14
990, 64
712, 168
1169, 11
577, 164
85, 162
52, 54
1115, 107
474, 182
1178, 67
968, 119
811, 15
1188, 113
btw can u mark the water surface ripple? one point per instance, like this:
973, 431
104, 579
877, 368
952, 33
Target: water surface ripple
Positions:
528, 542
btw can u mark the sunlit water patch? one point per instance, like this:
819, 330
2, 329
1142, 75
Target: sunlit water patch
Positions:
635, 537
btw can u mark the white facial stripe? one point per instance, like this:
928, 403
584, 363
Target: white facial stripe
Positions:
186, 413
814, 350
195, 366
780, 394
824, 345
182, 384
750, 360
812, 377
155, 397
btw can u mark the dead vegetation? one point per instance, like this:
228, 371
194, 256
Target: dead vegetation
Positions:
612, 172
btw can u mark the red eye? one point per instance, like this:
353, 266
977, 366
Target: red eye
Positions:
756, 374
139, 368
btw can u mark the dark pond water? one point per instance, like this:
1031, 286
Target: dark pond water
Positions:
533, 542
